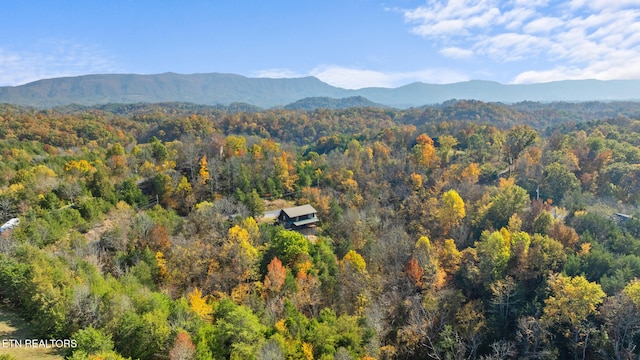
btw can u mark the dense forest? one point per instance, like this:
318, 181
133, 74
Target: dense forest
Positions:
459, 231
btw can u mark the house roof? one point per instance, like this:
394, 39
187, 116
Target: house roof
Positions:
10, 224
305, 222
299, 210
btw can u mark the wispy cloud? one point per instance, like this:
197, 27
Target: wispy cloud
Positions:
574, 39
454, 52
356, 78
53, 58
278, 73
543, 25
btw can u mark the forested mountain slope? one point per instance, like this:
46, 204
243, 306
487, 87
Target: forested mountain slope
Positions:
462, 230
224, 89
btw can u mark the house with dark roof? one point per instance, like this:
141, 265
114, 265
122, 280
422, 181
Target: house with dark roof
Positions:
302, 219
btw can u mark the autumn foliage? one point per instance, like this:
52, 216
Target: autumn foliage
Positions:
148, 231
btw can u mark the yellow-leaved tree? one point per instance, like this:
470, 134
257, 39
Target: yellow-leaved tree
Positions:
572, 302
239, 259
204, 170
199, 305
433, 276
449, 257
424, 153
353, 282
452, 210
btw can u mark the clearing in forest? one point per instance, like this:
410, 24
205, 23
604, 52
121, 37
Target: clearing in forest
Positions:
12, 327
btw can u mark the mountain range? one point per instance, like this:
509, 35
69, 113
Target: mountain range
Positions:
224, 89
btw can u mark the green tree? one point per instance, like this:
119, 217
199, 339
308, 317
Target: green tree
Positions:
447, 143
511, 199
542, 223
328, 333
558, 181
236, 334
254, 203
92, 341
494, 251
158, 149
544, 254
46, 293
517, 140
101, 187
143, 336
129, 192
289, 246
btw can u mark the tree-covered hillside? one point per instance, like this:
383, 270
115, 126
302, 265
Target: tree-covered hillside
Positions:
459, 231
313, 103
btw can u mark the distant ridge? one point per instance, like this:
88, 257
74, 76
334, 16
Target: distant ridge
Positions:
312, 103
225, 89
206, 89
418, 94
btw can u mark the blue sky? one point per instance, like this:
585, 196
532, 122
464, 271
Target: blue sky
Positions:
347, 43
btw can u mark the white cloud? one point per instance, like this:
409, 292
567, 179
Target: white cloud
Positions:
531, 3
511, 46
278, 73
351, 78
456, 53
51, 59
439, 19
515, 18
605, 70
573, 38
355, 78
604, 4
543, 25
556, 74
